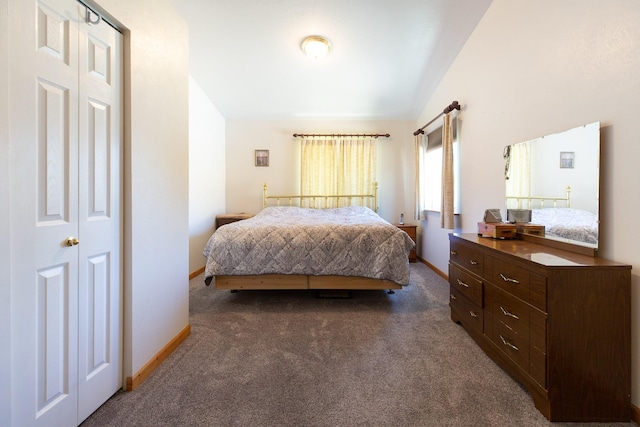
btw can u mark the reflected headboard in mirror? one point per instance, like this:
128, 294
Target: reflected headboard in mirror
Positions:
557, 177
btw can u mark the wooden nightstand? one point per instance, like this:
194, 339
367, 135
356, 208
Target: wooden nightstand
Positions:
411, 231
223, 219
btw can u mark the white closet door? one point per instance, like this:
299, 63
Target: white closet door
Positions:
100, 142
55, 278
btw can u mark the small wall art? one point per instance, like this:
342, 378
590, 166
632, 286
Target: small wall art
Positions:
262, 157
567, 159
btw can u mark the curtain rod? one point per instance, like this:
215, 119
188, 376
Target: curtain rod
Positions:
453, 106
373, 135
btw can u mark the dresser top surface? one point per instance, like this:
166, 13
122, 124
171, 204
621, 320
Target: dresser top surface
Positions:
537, 253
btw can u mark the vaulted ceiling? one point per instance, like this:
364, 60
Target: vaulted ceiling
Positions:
387, 56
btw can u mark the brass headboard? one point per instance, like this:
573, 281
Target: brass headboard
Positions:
521, 205
317, 201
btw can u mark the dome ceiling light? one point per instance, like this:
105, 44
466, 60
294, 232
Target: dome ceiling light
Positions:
316, 47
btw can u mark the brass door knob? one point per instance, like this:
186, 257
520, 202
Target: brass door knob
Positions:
71, 241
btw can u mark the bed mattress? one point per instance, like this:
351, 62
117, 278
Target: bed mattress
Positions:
349, 241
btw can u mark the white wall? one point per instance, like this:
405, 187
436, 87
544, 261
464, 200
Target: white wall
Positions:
156, 297
206, 171
536, 68
5, 288
244, 180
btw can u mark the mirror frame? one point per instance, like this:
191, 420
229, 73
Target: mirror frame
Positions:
553, 165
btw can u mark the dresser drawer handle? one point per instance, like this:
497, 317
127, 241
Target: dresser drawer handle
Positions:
508, 313
461, 283
473, 314
453, 297
508, 344
508, 279
473, 262
453, 252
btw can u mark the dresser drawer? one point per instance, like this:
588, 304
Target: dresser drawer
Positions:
506, 309
466, 284
514, 345
469, 314
520, 282
520, 325
466, 257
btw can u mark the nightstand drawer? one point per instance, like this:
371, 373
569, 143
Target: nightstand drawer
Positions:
223, 219
411, 230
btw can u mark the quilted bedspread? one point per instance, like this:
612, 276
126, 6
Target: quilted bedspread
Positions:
568, 223
349, 241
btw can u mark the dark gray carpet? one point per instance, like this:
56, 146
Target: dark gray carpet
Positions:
288, 358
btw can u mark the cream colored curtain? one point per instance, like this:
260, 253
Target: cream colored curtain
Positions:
420, 143
337, 165
518, 175
446, 211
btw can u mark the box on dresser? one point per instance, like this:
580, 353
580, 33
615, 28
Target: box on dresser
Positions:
559, 322
497, 230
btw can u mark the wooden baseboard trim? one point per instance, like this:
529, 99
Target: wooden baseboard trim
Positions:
133, 382
635, 414
433, 267
197, 272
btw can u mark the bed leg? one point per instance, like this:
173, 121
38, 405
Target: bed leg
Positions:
391, 291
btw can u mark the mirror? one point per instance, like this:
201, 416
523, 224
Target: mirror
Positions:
557, 177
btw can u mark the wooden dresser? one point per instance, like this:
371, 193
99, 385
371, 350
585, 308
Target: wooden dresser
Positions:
557, 321
411, 231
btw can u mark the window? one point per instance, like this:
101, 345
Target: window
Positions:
430, 170
337, 165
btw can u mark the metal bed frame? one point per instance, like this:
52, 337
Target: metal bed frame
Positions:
322, 201
529, 200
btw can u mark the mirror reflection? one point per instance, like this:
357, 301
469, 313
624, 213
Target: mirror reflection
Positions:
557, 178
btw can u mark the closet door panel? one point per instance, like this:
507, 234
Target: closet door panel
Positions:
100, 153
65, 135
43, 82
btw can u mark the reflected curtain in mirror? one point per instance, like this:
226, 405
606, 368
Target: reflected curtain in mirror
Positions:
518, 173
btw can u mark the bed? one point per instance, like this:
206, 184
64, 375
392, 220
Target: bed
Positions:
289, 246
558, 217
568, 223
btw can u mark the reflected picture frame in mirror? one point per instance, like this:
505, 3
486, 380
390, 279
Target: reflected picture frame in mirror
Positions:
563, 196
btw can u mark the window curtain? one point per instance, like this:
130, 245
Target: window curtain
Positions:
421, 142
446, 212
518, 173
337, 165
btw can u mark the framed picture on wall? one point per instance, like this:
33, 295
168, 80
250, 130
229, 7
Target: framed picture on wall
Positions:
566, 159
262, 157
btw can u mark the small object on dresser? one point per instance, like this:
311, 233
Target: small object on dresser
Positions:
497, 230
401, 219
519, 215
492, 215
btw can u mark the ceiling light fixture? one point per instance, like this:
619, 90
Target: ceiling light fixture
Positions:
316, 47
